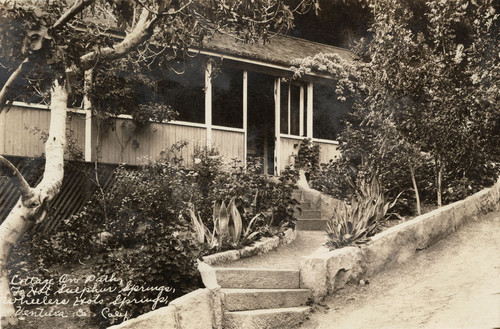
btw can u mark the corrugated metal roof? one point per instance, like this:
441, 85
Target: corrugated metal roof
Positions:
79, 183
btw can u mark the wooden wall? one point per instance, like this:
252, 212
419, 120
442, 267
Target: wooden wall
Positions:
124, 142
328, 151
231, 144
22, 130
290, 147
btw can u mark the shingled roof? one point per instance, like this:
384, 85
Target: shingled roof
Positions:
281, 50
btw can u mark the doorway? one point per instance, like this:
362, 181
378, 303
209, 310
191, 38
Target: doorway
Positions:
261, 120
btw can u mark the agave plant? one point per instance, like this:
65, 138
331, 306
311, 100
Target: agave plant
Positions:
353, 224
228, 226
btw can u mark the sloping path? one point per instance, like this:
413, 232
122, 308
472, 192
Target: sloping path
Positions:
285, 257
453, 284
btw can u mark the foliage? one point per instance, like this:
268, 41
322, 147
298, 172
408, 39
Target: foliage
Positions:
425, 94
228, 228
308, 156
41, 38
146, 229
354, 223
165, 256
254, 191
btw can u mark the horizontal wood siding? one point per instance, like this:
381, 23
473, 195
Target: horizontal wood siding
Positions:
328, 152
230, 144
290, 147
75, 131
22, 130
124, 142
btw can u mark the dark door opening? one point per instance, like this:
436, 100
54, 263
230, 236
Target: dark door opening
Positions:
260, 141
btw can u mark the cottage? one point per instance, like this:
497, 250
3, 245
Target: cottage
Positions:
232, 96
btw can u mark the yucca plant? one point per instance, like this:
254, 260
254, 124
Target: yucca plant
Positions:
354, 223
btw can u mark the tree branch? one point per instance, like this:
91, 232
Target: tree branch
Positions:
10, 81
77, 7
19, 181
142, 30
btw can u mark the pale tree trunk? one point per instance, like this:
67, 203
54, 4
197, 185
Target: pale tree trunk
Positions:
439, 181
30, 208
415, 188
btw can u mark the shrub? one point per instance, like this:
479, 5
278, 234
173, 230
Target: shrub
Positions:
166, 257
307, 157
144, 228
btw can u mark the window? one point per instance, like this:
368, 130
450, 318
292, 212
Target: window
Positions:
184, 89
328, 112
291, 101
227, 97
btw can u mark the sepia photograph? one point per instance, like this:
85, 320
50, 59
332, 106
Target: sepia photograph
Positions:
250, 164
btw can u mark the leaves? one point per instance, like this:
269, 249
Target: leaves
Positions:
354, 223
416, 94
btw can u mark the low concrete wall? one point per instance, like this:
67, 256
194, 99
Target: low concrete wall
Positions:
326, 271
194, 310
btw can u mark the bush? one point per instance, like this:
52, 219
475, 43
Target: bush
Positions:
166, 257
142, 229
307, 157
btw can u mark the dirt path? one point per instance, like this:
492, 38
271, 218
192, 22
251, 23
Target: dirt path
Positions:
453, 284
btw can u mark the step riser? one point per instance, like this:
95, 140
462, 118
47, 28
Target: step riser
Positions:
257, 279
311, 224
270, 319
305, 206
253, 300
308, 214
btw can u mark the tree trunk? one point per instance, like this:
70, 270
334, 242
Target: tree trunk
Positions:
439, 181
415, 188
30, 209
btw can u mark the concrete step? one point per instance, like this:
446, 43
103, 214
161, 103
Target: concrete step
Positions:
306, 205
311, 224
276, 318
254, 299
297, 195
248, 278
308, 214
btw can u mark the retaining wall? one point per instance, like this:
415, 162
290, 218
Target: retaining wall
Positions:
326, 271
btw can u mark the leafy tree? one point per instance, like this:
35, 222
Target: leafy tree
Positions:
426, 84
48, 47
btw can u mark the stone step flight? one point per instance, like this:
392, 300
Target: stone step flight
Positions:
262, 298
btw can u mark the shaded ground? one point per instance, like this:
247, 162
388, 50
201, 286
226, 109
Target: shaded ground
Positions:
285, 257
453, 284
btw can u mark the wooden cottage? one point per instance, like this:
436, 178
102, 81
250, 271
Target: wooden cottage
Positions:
232, 96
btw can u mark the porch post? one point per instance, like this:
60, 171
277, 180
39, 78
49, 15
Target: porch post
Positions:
208, 102
245, 115
301, 112
277, 142
289, 131
87, 107
310, 110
